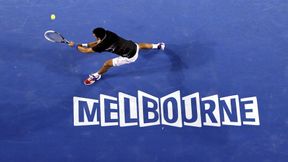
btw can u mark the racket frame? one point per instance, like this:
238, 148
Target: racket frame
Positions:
52, 31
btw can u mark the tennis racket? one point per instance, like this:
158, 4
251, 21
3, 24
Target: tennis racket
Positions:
55, 37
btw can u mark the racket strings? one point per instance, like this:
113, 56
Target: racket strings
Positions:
53, 36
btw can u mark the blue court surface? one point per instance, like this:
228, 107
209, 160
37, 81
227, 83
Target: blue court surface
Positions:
217, 93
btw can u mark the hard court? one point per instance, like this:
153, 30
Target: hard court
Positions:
215, 49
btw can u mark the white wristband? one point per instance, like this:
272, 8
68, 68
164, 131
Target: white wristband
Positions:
85, 45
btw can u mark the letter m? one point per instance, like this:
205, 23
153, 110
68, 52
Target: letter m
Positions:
85, 111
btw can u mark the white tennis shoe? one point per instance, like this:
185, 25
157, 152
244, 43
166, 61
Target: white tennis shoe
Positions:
161, 46
91, 79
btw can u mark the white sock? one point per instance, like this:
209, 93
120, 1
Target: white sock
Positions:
154, 46
96, 75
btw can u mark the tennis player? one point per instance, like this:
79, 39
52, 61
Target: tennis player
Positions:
108, 41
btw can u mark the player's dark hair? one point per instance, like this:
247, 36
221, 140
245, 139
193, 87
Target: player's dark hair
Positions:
99, 32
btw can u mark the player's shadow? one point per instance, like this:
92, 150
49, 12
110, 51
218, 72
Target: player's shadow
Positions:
190, 55
181, 59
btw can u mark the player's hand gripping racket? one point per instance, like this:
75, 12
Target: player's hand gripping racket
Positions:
55, 37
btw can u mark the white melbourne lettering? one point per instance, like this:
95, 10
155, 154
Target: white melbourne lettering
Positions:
145, 110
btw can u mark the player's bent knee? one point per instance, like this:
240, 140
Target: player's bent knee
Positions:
108, 63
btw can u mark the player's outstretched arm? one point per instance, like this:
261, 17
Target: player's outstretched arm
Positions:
84, 49
81, 48
92, 44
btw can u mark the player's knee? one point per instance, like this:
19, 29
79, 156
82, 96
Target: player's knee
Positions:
108, 64
141, 45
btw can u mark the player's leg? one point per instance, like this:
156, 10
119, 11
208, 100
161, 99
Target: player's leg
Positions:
145, 45
118, 61
107, 65
152, 46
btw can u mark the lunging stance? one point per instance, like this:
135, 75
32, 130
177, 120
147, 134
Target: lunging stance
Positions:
108, 41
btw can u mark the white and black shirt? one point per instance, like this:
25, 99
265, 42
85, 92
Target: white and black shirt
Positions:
115, 44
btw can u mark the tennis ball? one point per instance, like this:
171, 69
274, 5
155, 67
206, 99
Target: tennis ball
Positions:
53, 16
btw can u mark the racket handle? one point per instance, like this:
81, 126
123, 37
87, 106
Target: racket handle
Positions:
66, 41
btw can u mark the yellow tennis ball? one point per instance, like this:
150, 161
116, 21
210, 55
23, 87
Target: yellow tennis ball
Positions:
53, 16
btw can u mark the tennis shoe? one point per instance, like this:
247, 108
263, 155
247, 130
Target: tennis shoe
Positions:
91, 79
161, 46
